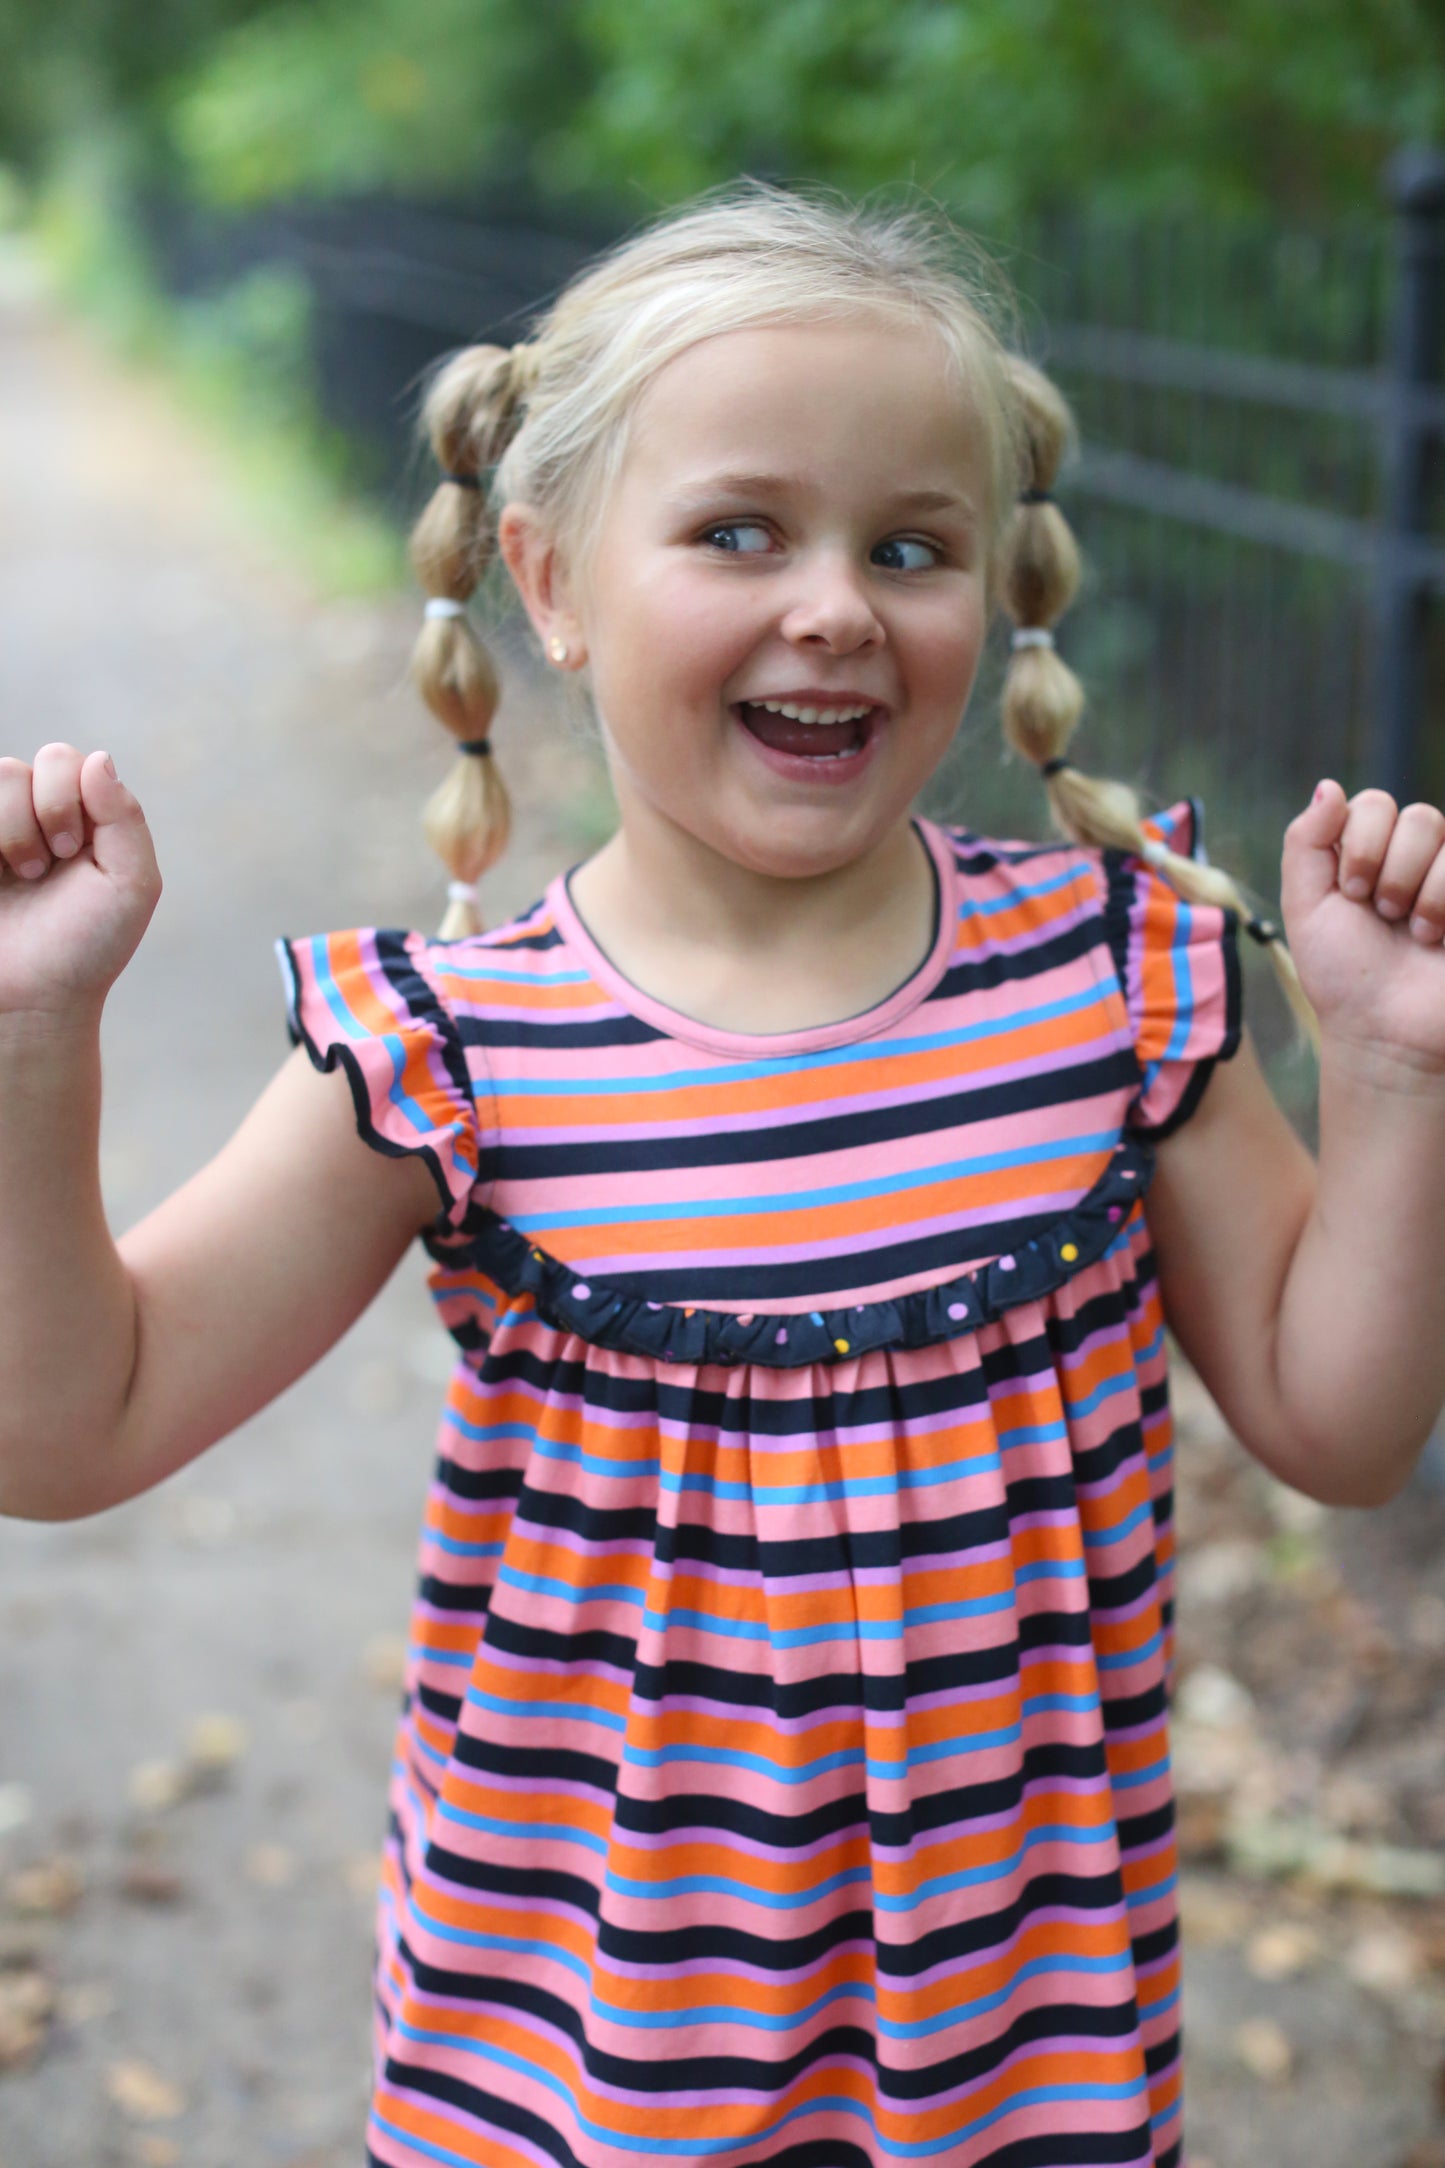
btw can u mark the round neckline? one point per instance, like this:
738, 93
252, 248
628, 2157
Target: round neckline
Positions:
676, 1024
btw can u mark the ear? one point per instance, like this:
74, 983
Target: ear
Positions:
530, 553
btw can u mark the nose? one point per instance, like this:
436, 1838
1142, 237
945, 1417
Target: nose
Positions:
830, 607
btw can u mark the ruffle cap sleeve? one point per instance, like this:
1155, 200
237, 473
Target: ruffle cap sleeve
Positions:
1178, 963
368, 1000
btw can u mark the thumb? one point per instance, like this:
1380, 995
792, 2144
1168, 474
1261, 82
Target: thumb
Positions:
120, 839
1310, 868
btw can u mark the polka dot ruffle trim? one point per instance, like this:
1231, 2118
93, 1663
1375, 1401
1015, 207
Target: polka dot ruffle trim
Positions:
665, 1332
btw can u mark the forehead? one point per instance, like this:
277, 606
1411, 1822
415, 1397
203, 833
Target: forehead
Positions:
865, 401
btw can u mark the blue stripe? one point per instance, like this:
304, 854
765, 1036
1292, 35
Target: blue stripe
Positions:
813, 1200
695, 2148
356, 1031
994, 1870
728, 1073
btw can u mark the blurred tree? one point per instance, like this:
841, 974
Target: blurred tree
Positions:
74, 64
997, 105
407, 94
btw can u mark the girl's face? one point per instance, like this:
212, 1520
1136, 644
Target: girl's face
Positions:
799, 524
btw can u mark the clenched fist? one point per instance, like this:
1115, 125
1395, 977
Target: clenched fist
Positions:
78, 880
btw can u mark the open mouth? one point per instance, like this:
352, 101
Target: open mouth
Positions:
808, 733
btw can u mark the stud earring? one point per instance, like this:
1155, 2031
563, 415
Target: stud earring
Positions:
558, 649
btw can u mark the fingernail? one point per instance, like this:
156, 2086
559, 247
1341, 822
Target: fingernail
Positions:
1422, 929
1319, 793
1387, 909
109, 765
64, 846
1357, 886
32, 869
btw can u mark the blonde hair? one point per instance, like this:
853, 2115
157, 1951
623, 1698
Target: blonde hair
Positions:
550, 419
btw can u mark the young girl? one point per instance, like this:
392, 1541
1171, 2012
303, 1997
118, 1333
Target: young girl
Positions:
783, 1770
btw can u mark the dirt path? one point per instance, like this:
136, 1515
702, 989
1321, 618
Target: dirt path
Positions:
196, 1691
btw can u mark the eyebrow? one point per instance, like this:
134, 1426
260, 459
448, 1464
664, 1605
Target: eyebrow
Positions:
699, 493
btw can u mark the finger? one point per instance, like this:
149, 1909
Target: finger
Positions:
1310, 868
1409, 855
23, 848
120, 840
1365, 840
1427, 919
55, 789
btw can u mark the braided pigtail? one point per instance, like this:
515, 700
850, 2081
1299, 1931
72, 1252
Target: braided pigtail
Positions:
1038, 575
470, 413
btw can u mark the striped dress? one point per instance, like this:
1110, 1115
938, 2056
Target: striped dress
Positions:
783, 1771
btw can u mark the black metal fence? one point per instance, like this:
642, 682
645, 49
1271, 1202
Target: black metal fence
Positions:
1258, 494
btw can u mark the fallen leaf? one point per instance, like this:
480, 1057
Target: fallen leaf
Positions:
1214, 1700
384, 1662
270, 1865
83, 2003
1200, 1821
1222, 1572
146, 1882
362, 1873
143, 2094
1261, 2046
1280, 1951
49, 1888
27, 2004
1212, 1914
154, 1786
154, 2151
214, 1746
1386, 1958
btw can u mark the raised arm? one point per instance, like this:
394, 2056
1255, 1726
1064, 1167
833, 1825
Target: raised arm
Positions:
1311, 1298
120, 1362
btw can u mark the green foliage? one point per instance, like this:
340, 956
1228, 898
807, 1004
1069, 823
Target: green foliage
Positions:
71, 65
997, 106
387, 93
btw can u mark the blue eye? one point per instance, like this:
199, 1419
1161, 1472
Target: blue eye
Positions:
724, 537
898, 544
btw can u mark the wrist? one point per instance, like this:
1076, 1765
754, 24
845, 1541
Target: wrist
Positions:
1368, 1066
28, 1035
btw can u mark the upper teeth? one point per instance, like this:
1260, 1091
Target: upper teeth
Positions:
814, 715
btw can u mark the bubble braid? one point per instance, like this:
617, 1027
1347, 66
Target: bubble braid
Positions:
1038, 576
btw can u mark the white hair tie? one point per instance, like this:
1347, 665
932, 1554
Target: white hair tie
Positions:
1154, 854
443, 606
461, 891
1032, 636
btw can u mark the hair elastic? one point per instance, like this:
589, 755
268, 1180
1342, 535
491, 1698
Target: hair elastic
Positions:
478, 748
1054, 767
464, 481
1036, 496
1262, 929
461, 891
1031, 636
444, 606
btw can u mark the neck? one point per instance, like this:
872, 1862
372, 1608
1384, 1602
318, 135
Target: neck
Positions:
748, 950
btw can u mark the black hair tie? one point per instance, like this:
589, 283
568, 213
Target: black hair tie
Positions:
479, 748
1262, 930
1036, 496
464, 481
1055, 766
